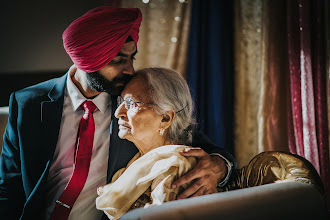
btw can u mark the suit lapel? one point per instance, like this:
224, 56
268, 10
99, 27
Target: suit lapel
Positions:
51, 119
51, 115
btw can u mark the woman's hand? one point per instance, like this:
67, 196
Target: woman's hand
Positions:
209, 171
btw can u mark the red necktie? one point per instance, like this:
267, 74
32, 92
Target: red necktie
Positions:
84, 150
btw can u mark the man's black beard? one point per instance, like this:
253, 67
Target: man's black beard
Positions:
99, 83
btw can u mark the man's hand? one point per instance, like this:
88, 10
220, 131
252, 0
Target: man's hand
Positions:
209, 171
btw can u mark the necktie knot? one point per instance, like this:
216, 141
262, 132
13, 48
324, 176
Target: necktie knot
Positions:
89, 107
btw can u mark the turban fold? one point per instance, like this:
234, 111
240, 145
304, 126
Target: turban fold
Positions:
95, 38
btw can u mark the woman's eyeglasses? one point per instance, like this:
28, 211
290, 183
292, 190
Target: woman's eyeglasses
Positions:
130, 103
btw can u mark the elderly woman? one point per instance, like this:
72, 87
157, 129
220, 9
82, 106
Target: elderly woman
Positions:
155, 113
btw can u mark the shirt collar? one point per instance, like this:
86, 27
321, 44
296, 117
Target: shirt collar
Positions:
102, 101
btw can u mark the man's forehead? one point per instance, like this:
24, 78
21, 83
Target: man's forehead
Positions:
129, 48
123, 54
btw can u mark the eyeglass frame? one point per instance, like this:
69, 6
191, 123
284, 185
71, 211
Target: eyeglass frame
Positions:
132, 102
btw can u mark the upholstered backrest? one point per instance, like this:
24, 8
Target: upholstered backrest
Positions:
284, 201
4, 111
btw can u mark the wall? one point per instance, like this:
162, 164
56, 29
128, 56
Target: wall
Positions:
31, 41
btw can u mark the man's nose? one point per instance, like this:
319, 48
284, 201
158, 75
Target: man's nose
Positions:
129, 68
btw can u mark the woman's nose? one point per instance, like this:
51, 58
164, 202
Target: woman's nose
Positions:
120, 111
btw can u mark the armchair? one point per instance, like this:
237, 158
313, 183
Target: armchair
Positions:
274, 185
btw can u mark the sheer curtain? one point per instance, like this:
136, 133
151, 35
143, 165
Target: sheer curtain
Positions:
163, 33
248, 55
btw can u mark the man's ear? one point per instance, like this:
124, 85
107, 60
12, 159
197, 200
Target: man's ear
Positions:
167, 119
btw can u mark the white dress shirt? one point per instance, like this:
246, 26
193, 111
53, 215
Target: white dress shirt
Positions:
61, 168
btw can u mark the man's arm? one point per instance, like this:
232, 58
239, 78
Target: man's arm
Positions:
210, 170
201, 140
11, 188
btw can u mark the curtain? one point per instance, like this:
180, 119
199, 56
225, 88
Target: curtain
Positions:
308, 118
281, 80
278, 69
163, 33
210, 68
261, 74
272, 121
248, 56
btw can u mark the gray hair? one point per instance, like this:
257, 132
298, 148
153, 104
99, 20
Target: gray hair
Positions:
170, 91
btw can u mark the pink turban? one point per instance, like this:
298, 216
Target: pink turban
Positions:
95, 38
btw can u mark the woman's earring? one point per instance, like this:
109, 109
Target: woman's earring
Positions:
161, 131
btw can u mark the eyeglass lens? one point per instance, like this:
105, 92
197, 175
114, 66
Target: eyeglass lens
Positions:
129, 102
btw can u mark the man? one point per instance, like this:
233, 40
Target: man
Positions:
50, 168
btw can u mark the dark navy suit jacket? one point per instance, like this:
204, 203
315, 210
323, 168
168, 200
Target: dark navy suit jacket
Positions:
29, 143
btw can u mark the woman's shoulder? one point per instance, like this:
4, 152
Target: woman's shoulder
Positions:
168, 155
169, 149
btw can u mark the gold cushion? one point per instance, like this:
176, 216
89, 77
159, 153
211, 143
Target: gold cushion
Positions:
274, 167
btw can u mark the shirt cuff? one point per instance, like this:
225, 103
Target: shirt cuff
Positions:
229, 166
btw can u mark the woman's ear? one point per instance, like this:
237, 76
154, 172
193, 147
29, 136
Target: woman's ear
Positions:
167, 119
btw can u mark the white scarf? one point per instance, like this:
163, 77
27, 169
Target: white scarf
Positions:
158, 168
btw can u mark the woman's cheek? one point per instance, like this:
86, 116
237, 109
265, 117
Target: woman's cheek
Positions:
131, 113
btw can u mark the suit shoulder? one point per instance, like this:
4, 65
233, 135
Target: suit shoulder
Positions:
41, 90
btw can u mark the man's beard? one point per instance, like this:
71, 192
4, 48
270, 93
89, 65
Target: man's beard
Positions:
99, 83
